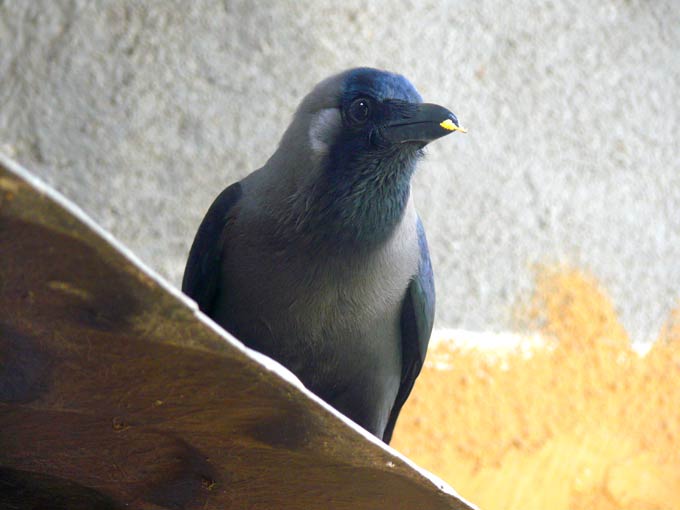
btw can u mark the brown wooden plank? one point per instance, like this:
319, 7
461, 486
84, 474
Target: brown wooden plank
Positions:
115, 391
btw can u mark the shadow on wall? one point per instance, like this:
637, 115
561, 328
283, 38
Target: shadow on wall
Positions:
581, 421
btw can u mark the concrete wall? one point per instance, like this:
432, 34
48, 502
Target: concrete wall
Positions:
141, 112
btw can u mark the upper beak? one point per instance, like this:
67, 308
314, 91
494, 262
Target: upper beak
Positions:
427, 123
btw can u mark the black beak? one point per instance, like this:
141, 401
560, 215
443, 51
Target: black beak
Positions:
423, 123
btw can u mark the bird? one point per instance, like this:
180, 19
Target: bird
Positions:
319, 259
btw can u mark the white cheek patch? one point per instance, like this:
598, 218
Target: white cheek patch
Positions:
322, 130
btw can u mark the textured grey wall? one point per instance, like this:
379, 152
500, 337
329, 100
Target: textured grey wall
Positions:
141, 112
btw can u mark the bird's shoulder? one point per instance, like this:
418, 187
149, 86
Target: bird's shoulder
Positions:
421, 292
201, 275
417, 320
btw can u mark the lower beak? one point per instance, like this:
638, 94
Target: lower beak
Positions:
428, 122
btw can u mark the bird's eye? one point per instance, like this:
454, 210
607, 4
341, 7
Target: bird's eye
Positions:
359, 110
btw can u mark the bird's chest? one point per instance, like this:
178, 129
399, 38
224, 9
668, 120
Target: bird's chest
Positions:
335, 322
324, 296
301, 304
346, 297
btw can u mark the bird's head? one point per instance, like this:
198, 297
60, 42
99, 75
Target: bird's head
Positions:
364, 112
361, 132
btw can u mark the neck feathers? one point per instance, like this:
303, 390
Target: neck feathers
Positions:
358, 204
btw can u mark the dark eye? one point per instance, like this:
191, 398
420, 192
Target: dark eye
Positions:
359, 110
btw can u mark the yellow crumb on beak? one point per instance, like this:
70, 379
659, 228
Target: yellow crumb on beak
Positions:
450, 126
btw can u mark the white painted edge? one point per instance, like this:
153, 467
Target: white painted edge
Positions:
505, 341
486, 340
265, 361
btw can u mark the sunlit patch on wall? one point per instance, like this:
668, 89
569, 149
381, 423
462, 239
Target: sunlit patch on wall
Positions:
577, 420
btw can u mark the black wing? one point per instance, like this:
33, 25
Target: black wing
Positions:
417, 317
202, 273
